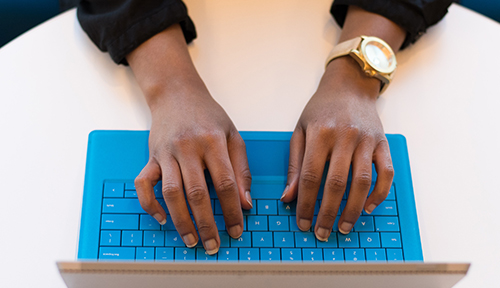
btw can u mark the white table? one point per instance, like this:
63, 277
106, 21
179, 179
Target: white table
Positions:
262, 65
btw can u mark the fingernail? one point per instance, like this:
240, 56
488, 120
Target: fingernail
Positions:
345, 228
322, 234
189, 240
284, 192
249, 198
370, 208
160, 219
235, 231
211, 246
304, 224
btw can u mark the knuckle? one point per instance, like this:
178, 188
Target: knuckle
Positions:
388, 170
225, 185
363, 179
211, 138
204, 227
337, 182
309, 178
246, 175
169, 188
351, 131
140, 181
196, 194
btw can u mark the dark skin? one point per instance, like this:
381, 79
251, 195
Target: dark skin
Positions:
191, 132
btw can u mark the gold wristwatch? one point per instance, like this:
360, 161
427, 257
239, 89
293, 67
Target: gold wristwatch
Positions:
373, 54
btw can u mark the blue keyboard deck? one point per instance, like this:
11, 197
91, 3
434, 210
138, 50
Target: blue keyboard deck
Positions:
126, 232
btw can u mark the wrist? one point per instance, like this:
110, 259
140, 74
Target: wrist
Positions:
345, 73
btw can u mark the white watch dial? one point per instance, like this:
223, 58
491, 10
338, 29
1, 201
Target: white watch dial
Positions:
379, 56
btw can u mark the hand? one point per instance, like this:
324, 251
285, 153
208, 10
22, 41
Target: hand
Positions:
340, 124
190, 132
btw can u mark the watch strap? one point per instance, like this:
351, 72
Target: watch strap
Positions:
343, 49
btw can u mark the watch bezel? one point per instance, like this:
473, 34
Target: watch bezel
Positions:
368, 39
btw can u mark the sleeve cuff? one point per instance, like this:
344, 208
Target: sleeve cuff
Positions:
411, 18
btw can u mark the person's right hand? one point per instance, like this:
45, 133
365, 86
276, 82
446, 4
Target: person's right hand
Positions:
190, 132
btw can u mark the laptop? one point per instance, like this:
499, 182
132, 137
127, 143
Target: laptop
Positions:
120, 245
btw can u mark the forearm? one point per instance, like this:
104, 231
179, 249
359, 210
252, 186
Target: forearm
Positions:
163, 64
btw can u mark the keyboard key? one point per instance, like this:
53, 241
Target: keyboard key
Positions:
148, 223
267, 190
173, 239
121, 205
130, 194
392, 194
369, 239
157, 189
219, 222
386, 208
249, 254
305, 239
132, 238
110, 238
348, 241
142, 253
154, 238
262, 239
169, 225
278, 223
335, 255
130, 186
287, 208
270, 254
316, 208
283, 239
113, 189
245, 240
390, 240
116, 253
217, 207
257, 223
331, 242
224, 239
164, 254
383, 223
185, 254
252, 211
228, 254
293, 223
354, 255
365, 224
120, 222
375, 255
267, 207
202, 256
163, 205
294, 254
394, 255
312, 255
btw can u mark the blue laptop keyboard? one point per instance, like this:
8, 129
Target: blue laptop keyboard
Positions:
119, 229
270, 232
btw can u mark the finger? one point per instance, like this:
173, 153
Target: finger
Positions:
310, 180
335, 186
176, 203
297, 148
199, 201
360, 186
385, 174
144, 183
221, 170
238, 157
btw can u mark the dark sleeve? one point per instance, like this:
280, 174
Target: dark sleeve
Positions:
415, 16
120, 26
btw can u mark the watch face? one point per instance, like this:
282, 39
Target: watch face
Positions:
379, 55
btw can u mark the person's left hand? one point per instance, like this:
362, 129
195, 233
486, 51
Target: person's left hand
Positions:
340, 124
